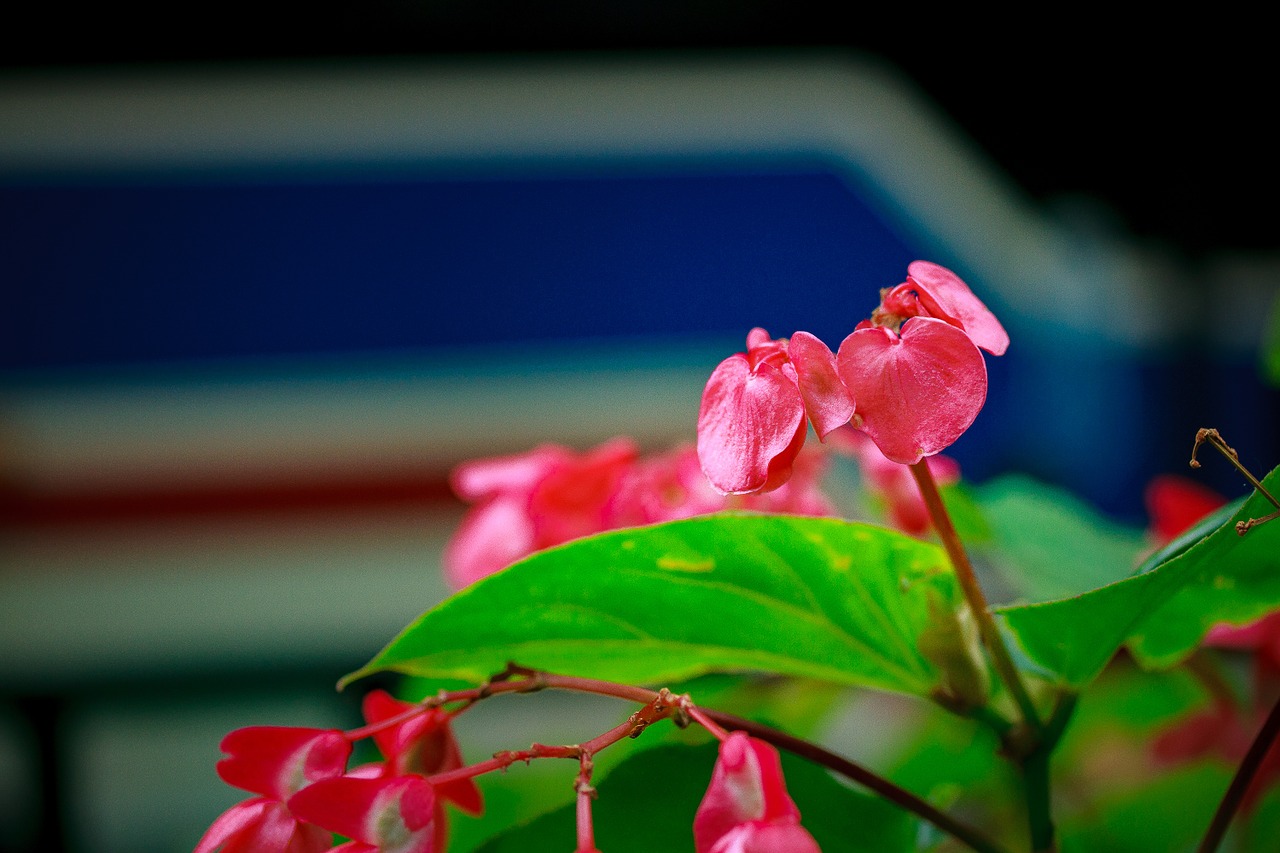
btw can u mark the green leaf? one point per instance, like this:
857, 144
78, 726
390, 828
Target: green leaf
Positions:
810, 597
648, 803
1163, 613
1048, 544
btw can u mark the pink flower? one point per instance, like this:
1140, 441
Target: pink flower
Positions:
392, 814
422, 745
671, 485
752, 421
529, 501
746, 808
915, 368
274, 762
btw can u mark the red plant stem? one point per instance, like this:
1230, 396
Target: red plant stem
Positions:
1262, 744
586, 793
973, 594
703, 718
662, 704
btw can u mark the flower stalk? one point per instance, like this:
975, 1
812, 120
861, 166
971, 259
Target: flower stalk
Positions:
987, 627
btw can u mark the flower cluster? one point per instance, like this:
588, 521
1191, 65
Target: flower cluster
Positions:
549, 495
305, 793
911, 377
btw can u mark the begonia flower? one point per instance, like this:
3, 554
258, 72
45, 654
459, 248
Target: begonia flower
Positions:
671, 485
529, 501
746, 808
274, 762
393, 814
423, 745
915, 368
755, 407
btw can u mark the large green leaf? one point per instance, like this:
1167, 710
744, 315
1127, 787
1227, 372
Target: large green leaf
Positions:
1162, 612
1048, 544
819, 598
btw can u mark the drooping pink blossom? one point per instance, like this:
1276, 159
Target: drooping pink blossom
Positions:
529, 501
274, 762
915, 368
746, 808
391, 814
756, 405
422, 745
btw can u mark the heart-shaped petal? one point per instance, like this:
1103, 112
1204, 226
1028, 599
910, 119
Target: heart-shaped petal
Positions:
918, 392
750, 426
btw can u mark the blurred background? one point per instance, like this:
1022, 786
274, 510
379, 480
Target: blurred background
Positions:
267, 276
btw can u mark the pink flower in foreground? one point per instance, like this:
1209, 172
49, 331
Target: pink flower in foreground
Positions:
752, 420
274, 762
529, 501
915, 368
422, 745
394, 814
746, 808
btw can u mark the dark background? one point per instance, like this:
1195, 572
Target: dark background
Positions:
1165, 121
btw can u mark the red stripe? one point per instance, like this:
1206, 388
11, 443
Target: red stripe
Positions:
24, 508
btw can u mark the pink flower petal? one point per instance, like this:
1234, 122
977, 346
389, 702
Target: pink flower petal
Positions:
492, 536
263, 826
519, 472
746, 787
826, 400
395, 813
276, 761
751, 425
772, 837
423, 744
944, 296
916, 393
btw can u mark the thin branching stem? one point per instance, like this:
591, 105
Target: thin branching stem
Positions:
1215, 440
662, 704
